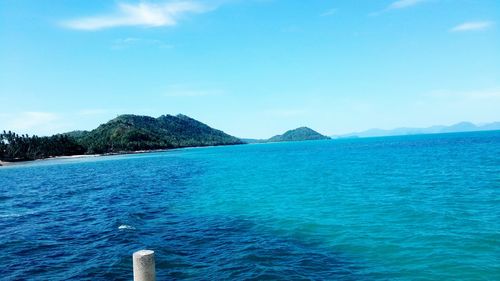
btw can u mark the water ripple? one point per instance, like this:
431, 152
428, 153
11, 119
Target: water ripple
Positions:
410, 208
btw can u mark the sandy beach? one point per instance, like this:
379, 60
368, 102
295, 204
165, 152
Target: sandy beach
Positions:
5, 164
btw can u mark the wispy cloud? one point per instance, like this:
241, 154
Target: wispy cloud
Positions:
141, 14
401, 4
328, 13
472, 26
35, 122
398, 5
29, 120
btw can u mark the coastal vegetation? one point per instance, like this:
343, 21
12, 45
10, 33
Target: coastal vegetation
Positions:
129, 133
126, 133
14, 147
299, 134
132, 133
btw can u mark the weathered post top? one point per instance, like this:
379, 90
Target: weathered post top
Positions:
144, 265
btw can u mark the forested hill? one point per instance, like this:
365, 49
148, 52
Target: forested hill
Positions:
132, 132
125, 133
299, 134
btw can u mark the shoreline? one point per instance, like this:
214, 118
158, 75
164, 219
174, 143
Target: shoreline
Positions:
22, 162
66, 157
14, 163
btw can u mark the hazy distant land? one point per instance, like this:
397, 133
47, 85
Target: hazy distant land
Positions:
439, 129
133, 133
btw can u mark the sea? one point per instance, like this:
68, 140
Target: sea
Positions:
423, 207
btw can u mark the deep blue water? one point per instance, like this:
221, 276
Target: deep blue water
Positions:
397, 208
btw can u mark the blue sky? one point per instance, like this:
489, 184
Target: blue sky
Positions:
253, 68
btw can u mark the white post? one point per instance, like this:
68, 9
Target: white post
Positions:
144, 265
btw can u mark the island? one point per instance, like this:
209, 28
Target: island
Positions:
124, 134
299, 134
131, 134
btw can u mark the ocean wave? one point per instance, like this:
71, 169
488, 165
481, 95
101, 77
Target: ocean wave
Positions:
124, 226
10, 215
17, 215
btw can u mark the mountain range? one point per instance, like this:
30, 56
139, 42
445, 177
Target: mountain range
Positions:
440, 129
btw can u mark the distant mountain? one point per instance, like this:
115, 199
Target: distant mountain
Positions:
459, 127
490, 126
299, 134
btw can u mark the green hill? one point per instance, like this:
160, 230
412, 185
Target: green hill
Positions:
133, 132
76, 134
299, 134
126, 133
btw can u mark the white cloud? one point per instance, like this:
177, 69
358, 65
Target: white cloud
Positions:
472, 26
400, 4
141, 14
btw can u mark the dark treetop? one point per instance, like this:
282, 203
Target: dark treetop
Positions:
132, 132
299, 134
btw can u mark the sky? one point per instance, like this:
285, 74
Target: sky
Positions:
252, 68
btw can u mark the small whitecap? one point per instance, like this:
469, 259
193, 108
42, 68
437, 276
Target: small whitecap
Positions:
10, 215
124, 226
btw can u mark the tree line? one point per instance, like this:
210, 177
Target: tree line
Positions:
14, 147
122, 134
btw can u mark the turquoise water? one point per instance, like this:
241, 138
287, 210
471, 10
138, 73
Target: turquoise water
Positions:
397, 208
